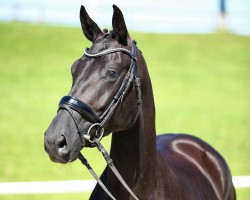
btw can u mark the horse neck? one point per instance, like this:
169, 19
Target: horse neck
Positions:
133, 150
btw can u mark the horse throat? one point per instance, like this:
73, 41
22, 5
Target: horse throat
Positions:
134, 151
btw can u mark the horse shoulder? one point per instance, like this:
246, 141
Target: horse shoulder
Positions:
195, 167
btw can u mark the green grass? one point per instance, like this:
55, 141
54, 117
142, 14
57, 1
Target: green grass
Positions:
201, 86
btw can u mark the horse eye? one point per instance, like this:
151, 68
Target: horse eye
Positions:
112, 73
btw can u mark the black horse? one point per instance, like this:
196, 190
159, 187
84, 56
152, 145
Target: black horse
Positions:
108, 97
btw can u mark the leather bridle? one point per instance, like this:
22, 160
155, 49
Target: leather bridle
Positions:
69, 103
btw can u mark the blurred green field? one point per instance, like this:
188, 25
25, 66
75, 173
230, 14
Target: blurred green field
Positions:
201, 86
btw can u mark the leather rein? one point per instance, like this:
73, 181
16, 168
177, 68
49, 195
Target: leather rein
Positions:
69, 103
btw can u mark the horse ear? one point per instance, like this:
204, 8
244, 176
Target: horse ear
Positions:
119, 26
89, 27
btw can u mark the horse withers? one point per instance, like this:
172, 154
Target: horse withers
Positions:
112, 93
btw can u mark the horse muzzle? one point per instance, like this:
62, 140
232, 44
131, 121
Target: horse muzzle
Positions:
61, 140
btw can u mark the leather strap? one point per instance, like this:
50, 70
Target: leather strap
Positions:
113, 168
85, 162
80, 107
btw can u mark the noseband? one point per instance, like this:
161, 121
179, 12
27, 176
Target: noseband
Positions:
70, 102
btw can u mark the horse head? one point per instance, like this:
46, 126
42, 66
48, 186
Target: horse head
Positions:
104, 94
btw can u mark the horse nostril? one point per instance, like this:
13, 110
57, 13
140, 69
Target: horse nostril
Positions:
61, 142
61, 146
